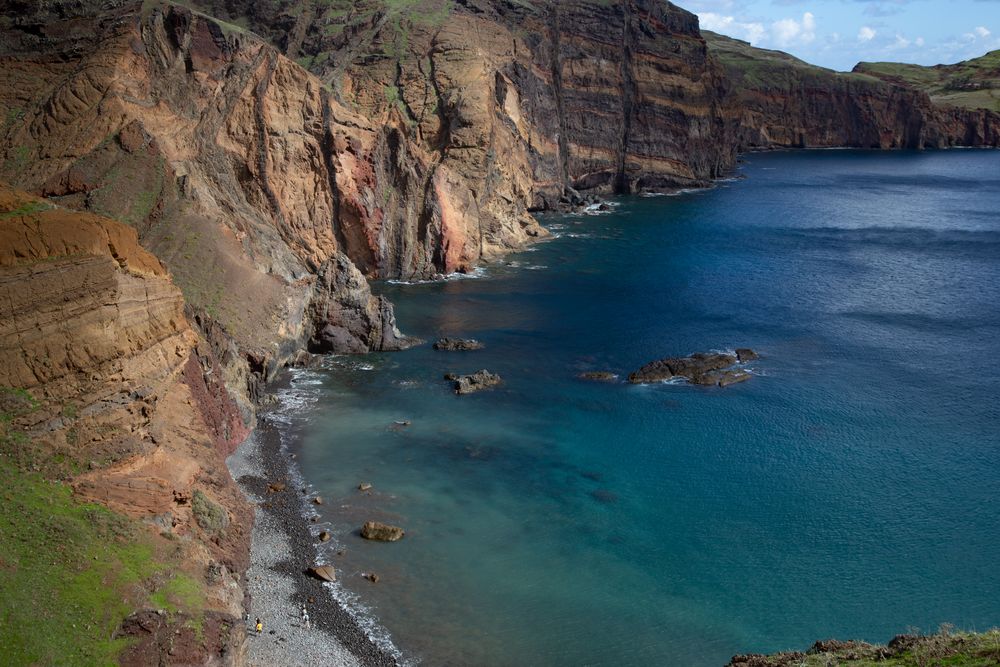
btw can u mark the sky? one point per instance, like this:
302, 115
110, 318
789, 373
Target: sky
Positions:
840, 33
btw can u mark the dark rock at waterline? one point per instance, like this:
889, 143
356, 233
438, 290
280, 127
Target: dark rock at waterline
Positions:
381, 532
706, 369
468, 384
598, 376
687, 367
324, 536
721, 378
458, 344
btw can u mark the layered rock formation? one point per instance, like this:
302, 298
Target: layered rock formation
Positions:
93, 329
618, 96
970, 84
777, 101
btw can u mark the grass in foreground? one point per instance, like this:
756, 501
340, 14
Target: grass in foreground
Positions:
66, 572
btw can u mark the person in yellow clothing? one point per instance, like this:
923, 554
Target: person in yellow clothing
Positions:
259, 626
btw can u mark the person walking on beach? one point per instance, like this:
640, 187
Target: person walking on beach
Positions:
260, 626
305, 618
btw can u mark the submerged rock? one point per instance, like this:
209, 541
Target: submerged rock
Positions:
381, 532
598, 376
458, 344
468, 384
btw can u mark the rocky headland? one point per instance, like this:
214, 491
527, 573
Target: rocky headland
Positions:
200, 194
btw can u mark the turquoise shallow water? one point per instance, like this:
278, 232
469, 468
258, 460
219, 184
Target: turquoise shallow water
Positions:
851, 489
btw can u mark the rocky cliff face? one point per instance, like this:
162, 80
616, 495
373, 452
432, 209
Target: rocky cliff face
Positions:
777, 101
611, 95
93, 329
232, 162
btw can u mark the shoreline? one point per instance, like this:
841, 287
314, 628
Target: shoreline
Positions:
282, 548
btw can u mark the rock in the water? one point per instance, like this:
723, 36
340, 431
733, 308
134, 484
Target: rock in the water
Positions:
372, 577
746, 354
324, 572
381, 532
687, 367
733, 377
324, 536
317, 500
364, 486
598, 376
468, 384
458, 344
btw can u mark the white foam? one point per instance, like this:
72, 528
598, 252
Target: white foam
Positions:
292, 400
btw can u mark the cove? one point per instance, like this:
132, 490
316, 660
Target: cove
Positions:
850, 489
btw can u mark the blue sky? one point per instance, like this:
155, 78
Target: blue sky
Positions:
840, 33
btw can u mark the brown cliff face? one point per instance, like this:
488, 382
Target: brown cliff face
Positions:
777, 101
92, 327
608, 95
231, 162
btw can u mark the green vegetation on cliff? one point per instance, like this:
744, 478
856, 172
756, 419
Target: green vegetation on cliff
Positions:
66, 574
972, 84
946, 648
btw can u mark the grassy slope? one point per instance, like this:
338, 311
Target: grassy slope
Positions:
944, 649
761, 68
70, 573
973, 84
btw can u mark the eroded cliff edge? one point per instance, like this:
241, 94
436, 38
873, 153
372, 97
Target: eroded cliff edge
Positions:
106, 388
273, 175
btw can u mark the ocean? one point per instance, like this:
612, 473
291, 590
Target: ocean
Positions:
850, 489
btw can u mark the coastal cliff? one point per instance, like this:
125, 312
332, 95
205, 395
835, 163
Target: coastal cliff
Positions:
107, 390
775, 100
212, 188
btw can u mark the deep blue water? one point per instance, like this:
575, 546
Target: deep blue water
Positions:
850, 489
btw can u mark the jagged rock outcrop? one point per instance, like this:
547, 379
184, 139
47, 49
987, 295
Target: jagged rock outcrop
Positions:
92, 327
777, 101
232, 162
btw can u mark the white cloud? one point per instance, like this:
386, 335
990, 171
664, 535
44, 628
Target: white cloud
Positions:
982, 32
789, 31
901, 42
866, 34
750, 31
919, 41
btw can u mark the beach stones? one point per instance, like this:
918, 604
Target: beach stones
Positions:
276, 487
381, 532
324, 536
469, 384
318, 500
457, 344
323, 572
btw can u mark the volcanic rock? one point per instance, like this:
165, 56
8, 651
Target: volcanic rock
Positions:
468, 384
457, 344
381, 532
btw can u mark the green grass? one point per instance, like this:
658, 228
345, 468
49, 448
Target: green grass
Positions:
66, 573
945, 648
971, 84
